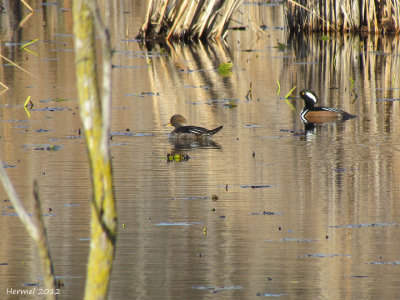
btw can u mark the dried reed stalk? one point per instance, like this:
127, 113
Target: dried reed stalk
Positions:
344, 15
187, 19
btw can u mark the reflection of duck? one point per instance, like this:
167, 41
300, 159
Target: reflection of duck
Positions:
320, 114
177, 157
187, 144
187, 132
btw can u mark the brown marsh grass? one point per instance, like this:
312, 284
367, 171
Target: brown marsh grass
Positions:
188, 20
344, 16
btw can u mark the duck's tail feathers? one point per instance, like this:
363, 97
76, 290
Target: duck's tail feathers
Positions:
347, 116
215, 130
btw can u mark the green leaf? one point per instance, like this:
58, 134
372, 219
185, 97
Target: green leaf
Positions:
225, 69
325, 38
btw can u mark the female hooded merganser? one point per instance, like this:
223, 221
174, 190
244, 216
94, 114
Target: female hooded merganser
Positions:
320, 114
183, 131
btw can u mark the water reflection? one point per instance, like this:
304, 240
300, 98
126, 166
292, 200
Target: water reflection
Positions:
10, 21
177, 157
267, 209
193, 144
342, 69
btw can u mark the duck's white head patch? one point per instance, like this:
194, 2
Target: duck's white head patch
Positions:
311, 96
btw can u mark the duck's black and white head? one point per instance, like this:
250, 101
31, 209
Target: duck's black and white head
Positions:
309, 97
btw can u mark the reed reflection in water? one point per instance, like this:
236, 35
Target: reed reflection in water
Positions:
271, 211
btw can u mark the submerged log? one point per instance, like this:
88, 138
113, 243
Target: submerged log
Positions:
187, 20
344, 16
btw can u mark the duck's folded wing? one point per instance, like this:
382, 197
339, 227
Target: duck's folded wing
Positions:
197, 130
345, 115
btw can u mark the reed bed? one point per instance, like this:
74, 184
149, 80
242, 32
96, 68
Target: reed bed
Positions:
187, 20
343, 68
344, 16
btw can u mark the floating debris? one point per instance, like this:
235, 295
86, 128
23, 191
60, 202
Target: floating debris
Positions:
130, 134
281, 46
393, 263
48, 215
73, 137
177, 223
296, 240
363, 225
6, 165
127, 67
142, 94
238, 28
295, 132
269, 295
60, 100
389, 99
51, 109
266, 213
50, 59
225, 69
215, 289
261, 186
190, 198
191, 71
325, 255
30, 284
253, 126
59, 283
3, 213
206, 87
43, 130
50, 148
203, 287
230, 103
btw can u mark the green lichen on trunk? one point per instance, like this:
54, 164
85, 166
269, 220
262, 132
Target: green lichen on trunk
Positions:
103, 208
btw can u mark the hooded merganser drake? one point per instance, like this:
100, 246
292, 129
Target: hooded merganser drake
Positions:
183, 131
320, 114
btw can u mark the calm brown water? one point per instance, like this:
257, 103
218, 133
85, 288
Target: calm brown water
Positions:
298, 216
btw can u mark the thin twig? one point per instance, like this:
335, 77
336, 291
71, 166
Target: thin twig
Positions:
15, 65
35, 228
42, 243
4, 86
25, 19
27, 5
